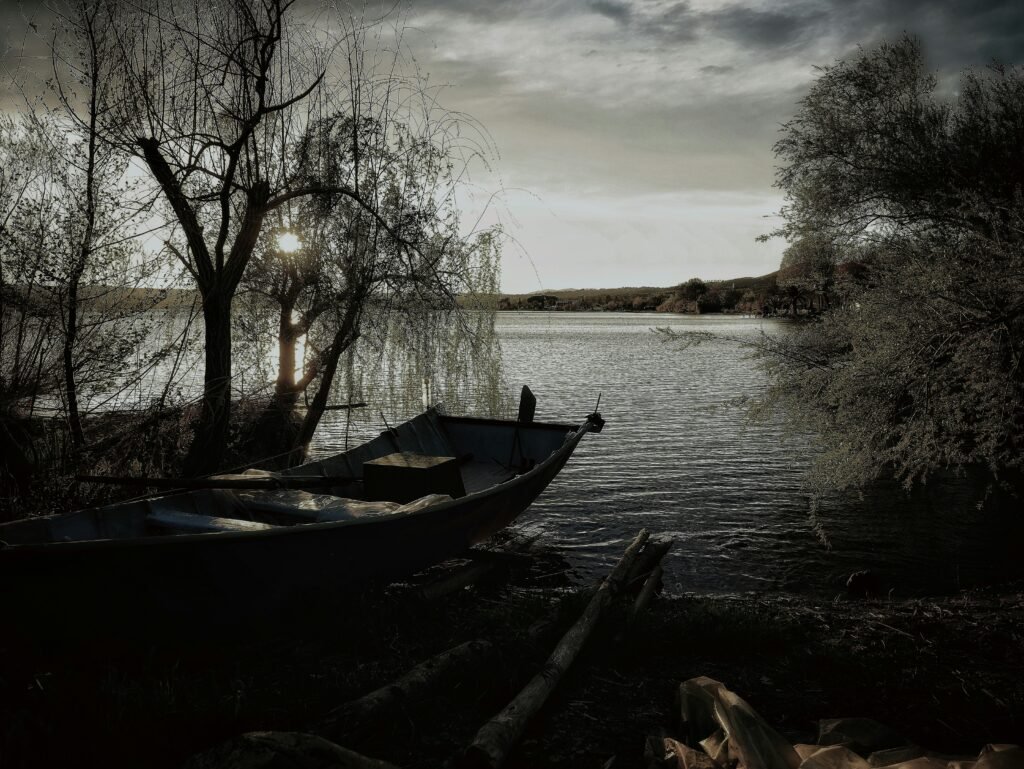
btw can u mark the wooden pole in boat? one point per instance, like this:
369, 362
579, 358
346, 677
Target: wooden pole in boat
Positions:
497, 737
230, 482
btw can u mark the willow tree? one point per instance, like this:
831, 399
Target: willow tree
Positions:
408, 259
215, 92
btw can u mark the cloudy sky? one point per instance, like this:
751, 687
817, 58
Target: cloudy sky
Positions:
635, 136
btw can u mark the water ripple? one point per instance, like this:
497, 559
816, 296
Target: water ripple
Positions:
676, 457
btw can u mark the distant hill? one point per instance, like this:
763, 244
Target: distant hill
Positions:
760, 283
751, 293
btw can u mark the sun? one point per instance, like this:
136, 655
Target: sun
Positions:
288, 242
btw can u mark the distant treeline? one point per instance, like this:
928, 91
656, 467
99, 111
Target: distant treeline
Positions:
99, 298
759, 295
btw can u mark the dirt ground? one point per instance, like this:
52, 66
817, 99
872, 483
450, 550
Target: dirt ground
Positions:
945, 672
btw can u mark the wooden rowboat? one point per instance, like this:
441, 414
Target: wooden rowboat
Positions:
418, 494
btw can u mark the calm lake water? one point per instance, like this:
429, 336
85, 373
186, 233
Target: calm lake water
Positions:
676, 458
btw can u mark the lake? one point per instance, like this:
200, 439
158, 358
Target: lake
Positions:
676, 457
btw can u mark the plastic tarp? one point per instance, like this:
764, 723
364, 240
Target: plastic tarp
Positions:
325, 507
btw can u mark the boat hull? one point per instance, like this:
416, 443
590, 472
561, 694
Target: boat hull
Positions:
216, 581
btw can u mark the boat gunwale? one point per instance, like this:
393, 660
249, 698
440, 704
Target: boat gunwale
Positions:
565, 426
571, 441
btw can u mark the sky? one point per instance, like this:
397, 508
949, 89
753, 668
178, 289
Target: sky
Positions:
635, 136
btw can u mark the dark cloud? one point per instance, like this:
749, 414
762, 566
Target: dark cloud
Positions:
675, 24
751, 27
717, 69
680, 22
956, 34
620, 12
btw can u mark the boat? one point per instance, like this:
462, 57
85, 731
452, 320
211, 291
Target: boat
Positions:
418, 494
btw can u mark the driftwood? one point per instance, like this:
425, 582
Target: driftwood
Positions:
352, 717
649, 558
454, 582
647, 592
484, 563
272, 750
516, 552
497, 737
658, 551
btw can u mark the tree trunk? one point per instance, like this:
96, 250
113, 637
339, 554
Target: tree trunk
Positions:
346, 334
70, 387
85, 248
286, 339
206, 454
286, 389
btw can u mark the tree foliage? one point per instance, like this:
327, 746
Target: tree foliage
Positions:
250, 121
174, 145
914, 203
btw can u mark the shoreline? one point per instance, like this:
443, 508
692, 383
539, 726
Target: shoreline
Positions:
794, 660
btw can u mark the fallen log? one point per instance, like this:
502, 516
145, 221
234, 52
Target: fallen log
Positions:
353, 717
497, 737
271, 750
484, 563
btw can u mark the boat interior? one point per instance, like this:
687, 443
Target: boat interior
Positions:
428, 460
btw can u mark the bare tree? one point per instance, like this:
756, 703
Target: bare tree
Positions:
104, 210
